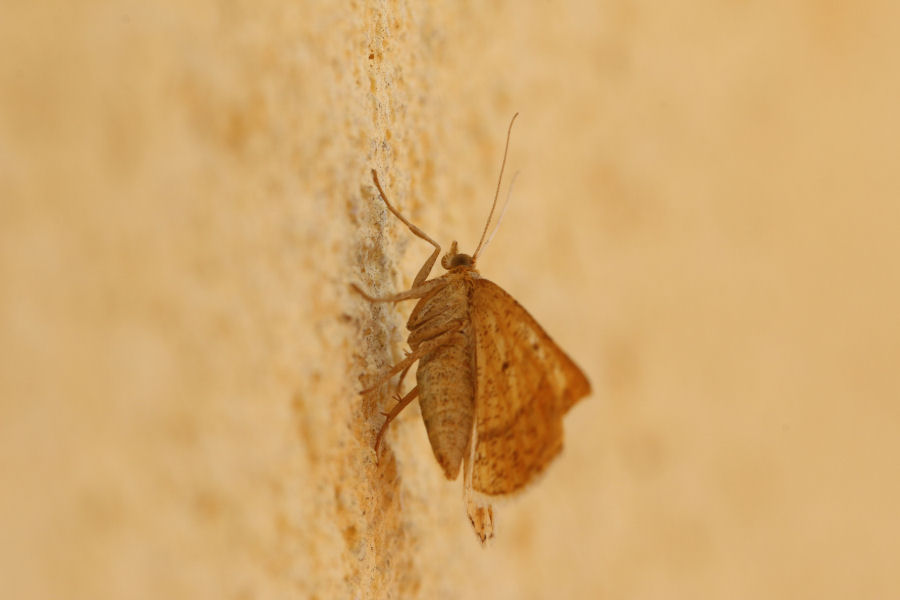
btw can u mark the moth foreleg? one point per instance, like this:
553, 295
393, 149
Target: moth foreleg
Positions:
422, 275
426, 268
401, 404
417, 291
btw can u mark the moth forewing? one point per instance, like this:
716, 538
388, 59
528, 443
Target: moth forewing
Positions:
524, 385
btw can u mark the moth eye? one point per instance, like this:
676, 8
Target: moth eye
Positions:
461, 260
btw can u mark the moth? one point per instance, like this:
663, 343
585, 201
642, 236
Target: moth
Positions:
492, 385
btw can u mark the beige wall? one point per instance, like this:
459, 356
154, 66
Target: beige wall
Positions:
707, 219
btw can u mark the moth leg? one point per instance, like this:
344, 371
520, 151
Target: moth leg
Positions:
480, 513
400, 366
417, 291
438, 340
401, 404
426, 268
482, 519
400, 381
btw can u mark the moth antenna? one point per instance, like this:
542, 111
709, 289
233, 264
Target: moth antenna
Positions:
502, 211
496, 193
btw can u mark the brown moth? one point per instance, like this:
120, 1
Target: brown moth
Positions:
492, 385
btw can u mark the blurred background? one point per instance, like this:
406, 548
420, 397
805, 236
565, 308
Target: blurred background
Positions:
706, 219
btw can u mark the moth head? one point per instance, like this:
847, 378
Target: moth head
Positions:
454, 259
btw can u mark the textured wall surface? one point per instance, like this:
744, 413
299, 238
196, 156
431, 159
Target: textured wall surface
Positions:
706, 219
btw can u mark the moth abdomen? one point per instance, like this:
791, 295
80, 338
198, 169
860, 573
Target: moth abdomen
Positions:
446, 384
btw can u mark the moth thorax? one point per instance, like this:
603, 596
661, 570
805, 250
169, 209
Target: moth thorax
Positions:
456, 259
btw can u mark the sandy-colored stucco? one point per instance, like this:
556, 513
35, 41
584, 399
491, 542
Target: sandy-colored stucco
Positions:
707, 218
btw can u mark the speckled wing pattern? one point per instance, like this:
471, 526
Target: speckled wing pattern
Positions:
524, 385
